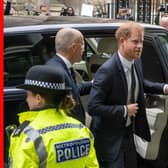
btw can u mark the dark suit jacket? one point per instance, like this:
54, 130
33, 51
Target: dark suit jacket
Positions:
107, 97
77, 91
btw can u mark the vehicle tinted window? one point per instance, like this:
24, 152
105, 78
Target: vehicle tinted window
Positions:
152, 67
21, 52
164, 42
102, 48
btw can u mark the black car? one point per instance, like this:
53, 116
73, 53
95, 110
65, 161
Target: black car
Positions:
30, 40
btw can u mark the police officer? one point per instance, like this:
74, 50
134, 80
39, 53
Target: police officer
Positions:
46, 136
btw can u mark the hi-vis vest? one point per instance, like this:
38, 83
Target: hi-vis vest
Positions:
49, 139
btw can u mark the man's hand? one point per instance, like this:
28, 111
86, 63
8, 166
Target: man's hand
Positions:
132, 109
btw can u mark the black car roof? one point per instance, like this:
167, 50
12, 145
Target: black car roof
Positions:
12, 21
42, 23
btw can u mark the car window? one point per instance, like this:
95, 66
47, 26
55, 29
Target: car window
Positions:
20, 53
102, 45
102, 49
90, 46
164, 42
151, 64
16, 65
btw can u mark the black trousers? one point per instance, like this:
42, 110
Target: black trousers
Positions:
127, 157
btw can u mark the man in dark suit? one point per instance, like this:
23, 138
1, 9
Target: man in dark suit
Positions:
69, 44
117, 102
8, 7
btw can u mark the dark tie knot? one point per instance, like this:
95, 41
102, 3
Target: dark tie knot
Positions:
132, 67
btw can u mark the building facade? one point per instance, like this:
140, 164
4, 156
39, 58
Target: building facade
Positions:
141, 10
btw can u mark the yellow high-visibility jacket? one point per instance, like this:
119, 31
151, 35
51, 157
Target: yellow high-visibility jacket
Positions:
50, 139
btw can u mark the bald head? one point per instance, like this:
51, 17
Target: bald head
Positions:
164, 22
65, 37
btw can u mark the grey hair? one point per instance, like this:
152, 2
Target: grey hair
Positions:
65, 37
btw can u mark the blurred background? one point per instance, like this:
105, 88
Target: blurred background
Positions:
147, 11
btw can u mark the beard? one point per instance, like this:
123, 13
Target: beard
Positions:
134, 54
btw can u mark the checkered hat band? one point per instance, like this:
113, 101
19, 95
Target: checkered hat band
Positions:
47, 85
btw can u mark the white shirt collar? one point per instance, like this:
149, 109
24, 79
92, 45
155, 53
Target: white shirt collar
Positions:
66, 61
125, 63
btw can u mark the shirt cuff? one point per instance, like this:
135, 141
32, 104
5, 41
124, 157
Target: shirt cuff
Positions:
125, 111
164, 89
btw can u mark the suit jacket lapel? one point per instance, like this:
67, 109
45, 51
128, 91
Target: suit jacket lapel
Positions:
58, 59
139, 75
122, 75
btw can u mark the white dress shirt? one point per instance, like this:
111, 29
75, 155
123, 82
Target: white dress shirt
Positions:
127, 69
67, 62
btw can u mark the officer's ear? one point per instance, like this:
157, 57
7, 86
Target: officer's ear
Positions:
40, 100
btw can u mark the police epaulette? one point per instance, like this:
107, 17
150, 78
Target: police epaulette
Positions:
20, 128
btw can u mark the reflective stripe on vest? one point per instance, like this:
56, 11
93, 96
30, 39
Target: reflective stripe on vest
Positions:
39, 145
59, 127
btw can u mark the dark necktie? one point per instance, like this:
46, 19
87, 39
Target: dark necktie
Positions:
73, 74
132, 100
133, 84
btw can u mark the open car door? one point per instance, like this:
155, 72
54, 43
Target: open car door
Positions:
155, 68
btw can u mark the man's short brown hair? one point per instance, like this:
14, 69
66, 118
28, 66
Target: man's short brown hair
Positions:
125, 30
